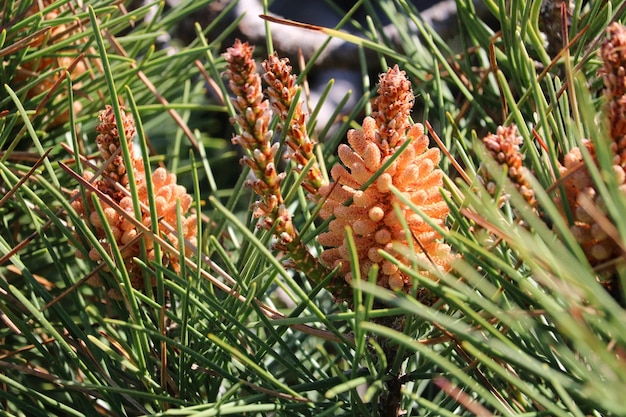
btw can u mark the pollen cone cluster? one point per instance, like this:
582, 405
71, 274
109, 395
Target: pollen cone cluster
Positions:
114, 183
613, 54
578, 186
369, 209
504, 148
33, 68
577, 183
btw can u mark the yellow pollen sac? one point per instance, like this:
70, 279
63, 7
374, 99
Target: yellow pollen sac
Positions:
396, 282
383, 236
376, 214
373, 255
364, 227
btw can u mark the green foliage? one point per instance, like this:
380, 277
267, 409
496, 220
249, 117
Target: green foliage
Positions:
521, 326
